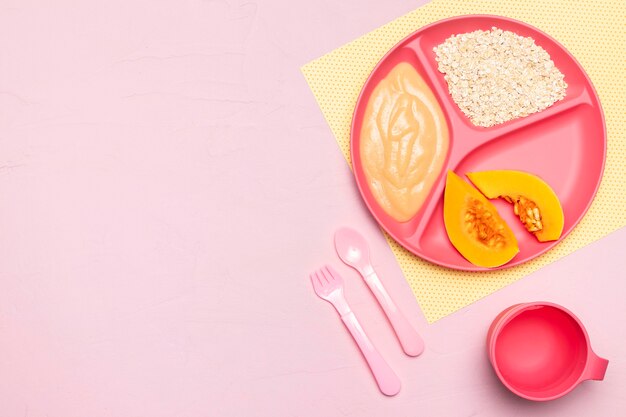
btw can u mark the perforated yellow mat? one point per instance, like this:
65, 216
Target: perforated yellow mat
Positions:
593, 31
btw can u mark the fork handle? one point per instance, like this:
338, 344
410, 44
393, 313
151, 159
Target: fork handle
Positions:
411, 342
388, 382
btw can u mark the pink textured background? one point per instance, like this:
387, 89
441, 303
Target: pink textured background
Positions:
166, 184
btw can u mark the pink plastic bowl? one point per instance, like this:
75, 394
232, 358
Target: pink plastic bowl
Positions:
541, 351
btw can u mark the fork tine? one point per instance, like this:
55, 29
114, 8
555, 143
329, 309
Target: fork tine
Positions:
324, 275
328, 274
319, 279
314, 281
334, 275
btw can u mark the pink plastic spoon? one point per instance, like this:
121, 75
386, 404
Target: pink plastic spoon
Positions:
354, 251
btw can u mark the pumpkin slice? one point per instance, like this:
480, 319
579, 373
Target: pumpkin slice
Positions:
534, 202
474, 226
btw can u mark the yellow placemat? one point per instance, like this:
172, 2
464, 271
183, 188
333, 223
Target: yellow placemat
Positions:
593, 31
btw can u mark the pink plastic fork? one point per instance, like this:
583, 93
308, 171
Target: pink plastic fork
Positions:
328, 285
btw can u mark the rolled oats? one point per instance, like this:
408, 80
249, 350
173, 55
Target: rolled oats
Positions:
495, 76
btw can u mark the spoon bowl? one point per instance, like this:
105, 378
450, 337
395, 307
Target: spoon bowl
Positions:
352, 248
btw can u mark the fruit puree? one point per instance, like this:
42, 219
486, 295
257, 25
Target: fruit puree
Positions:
404, 142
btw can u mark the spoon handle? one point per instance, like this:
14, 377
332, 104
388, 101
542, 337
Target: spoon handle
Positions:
411, 342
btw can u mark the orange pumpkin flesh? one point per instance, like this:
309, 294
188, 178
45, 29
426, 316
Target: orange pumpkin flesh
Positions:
474, 226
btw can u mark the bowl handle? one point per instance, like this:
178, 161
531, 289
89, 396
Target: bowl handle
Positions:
596, 367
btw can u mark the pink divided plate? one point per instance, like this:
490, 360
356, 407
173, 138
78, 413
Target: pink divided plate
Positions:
564, 144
